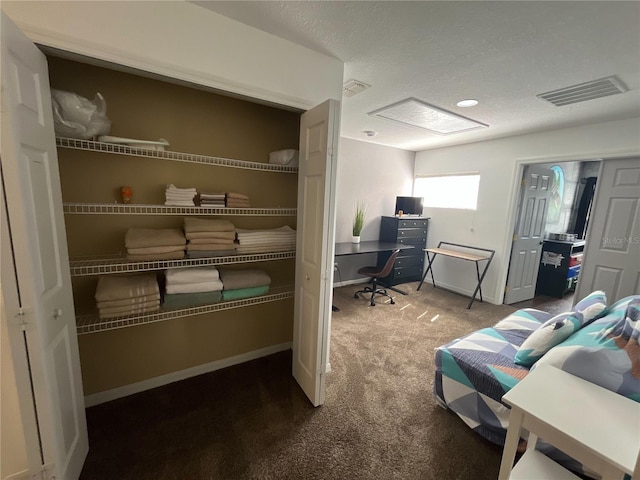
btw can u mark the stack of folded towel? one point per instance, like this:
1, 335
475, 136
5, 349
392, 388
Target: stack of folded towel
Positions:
237, 200
209, 237
119, 296
188, 287
180, 197
273, 240
212, 199
154, 244
244, 283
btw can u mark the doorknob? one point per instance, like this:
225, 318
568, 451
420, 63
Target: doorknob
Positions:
57, 313
307, 276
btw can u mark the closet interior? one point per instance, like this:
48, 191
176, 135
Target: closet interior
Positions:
217, 143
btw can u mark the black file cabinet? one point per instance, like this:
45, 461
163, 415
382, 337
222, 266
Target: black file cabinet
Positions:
410, 262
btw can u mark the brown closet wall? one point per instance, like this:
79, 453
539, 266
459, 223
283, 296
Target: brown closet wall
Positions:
192, 121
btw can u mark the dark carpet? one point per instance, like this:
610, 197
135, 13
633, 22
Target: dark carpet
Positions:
252, 421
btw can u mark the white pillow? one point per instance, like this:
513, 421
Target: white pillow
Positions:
591, 306
548, 335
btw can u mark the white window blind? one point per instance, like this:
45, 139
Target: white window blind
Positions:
448, 191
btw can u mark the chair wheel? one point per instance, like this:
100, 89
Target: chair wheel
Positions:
355, 295
392, 302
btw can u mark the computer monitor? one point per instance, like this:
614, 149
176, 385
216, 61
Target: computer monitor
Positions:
409, 205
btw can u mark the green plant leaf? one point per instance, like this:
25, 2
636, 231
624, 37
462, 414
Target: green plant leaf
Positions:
358, 218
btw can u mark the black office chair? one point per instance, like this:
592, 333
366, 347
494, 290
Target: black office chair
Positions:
375, 273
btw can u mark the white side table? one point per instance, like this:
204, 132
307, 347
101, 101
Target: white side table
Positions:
596, 427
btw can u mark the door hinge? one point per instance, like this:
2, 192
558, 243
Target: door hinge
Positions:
523, 182
46, 472
515, 237
506, 289
49, 471
327, 274
21, 317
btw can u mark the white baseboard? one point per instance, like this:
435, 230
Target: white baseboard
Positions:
108, 395
24, 475
351, 282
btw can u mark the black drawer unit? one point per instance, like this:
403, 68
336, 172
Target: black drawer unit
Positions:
559, 267
409, 264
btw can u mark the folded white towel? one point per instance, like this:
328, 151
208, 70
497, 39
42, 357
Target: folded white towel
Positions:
284, 230
181, 276
265, 248
180, 203
213, 286
179, 196
173, 188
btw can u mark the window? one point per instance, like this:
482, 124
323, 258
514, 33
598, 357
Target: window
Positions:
448, 191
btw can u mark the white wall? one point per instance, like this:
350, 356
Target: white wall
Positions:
499, 164
374, 174
182, 40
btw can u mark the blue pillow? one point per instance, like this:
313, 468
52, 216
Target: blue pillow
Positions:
548, 335
591, 306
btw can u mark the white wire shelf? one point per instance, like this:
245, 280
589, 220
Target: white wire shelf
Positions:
75, 208
108, 264
86, 324
92, 146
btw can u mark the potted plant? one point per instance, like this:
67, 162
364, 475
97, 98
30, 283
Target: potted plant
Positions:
358, 222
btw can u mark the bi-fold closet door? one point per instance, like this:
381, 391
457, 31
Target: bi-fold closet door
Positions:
44, 306
36, 281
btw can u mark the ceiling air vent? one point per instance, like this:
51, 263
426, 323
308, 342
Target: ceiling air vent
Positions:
584, 91
353, 87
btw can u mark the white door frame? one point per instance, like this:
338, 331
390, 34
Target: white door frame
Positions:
518, 171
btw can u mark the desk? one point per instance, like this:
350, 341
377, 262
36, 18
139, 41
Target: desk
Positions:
370, 246
470, 257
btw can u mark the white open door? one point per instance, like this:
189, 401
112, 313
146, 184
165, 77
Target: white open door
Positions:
41, 323
319, 134
529, 234
612, 250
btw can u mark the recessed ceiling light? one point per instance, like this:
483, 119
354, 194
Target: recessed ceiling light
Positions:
467, 103
370, 133
416, 113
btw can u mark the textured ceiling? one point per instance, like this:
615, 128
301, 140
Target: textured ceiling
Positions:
500, 53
